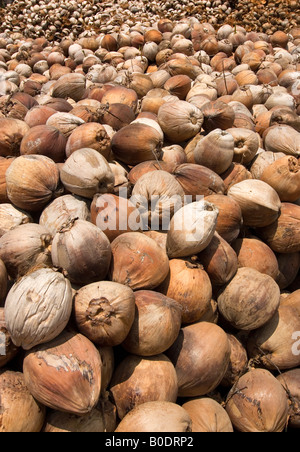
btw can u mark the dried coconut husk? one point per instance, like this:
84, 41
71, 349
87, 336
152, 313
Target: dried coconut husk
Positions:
182, 284
191, 229
273, 345
20, 412
291, 299
249, 300
33, 313
238, 363
82, 251
217, 115
215, 150
3, 281
120, 94
11, 217
151, 165
230, 219
246, 144
69, 86
285, 115
156, 416
6, 344
104, 312
290, 382
282, 138
11, 133
262, 161
254, 253
38, 115
136, 143
207, 415
112, 213
156, 324
132, 382
86, 172
138, 261
199, 374
89, 135
32, 181
219, 260
101, 419
63, 209
73, 384
24, 247
234, 174
174, 154
64, 122
288, 269
4, 164
284, 176
180, 120
159, 195
44, 140
282, 235
252, 409
197, 180
259, 202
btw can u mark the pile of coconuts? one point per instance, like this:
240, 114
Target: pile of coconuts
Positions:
149, 229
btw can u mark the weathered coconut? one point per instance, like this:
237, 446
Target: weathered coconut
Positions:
38, 307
